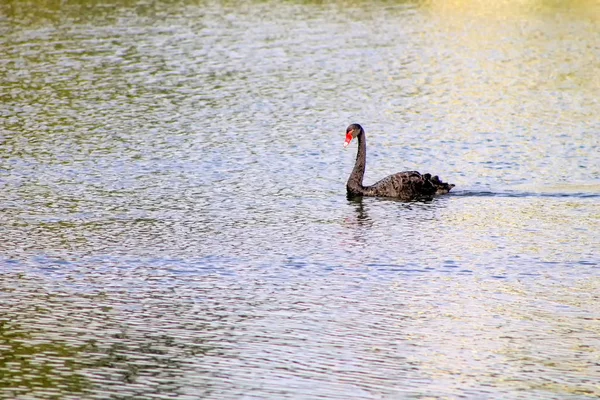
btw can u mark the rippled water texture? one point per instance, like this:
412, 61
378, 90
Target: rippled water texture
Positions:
174, 222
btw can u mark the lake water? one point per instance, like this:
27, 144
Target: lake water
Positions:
174, 220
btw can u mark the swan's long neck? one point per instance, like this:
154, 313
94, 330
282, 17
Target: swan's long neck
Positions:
355, 181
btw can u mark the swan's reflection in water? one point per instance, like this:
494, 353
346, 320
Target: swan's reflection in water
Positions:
359, 222
362, 216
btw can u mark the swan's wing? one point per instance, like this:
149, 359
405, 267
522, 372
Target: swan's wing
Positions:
441, 187
406, 185
409, 185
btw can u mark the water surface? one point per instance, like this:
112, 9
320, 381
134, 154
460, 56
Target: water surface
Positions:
174, 220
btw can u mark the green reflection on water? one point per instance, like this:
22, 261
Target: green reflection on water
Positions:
30, 364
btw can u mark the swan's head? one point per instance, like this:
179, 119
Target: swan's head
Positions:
352, 131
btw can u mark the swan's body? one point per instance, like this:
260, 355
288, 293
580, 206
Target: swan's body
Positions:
408, 185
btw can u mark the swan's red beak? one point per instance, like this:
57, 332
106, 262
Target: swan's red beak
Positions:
348, 139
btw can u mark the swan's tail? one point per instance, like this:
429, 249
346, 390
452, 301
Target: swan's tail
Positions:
440, 187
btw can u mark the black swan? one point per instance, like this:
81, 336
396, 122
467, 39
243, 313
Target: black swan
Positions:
408, 185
